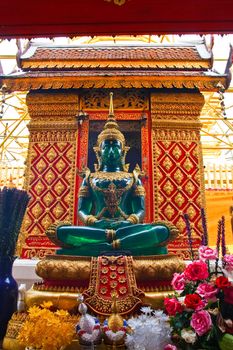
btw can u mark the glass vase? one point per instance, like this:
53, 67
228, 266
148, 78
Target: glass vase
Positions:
8, 293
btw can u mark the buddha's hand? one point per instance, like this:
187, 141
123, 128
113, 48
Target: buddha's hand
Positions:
119, 224
102, 224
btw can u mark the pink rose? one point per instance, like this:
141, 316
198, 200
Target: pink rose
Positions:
172, 306
170, 347
178, 281
206, 253
201, 322
207, 291
228, 259
197, 270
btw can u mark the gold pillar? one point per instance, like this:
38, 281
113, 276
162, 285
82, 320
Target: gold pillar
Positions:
178, 178
51, 163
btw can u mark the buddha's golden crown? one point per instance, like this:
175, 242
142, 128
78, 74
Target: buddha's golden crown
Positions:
111, 128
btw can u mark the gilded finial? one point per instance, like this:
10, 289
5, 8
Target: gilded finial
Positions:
115, 321
111, 109
111, 128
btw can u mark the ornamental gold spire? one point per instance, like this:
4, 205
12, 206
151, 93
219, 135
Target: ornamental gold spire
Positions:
111, 109
111, 128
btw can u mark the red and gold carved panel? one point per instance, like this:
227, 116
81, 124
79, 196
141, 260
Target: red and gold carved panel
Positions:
51, 191
177, 167
50, 170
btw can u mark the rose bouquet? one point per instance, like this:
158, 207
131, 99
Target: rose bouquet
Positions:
196, 308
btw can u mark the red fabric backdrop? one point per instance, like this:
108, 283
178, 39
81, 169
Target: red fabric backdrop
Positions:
101, 17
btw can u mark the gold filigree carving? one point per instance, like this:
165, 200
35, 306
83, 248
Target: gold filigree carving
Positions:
120, 175
60, 165
103, 64
39, 187
159, 175
14, 326
192, 212
174, 135
178, 176
160, 200
179, 200
169, 211
50, 176
176, 152
189, 188
48, 199
116, 81
52, 104
39, 135
46, 221
41, 165
99, 99
37, 210
168, 187
167, 163
188, 165
181, 224
176, 107
59, 187
51, 154
177, 137
58, 211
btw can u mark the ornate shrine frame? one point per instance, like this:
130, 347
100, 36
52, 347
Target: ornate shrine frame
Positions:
82, 152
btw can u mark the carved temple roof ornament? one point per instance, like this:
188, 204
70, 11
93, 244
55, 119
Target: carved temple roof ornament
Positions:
147, 66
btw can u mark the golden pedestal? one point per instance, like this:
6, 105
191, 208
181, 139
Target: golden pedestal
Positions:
65, 277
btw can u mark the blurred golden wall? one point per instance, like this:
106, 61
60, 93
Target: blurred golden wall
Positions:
218, 203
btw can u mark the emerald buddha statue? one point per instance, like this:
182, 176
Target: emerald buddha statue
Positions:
112, 206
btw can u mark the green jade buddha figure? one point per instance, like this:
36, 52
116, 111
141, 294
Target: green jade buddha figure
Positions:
111, 205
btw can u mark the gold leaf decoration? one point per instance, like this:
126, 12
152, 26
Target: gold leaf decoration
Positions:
179, 200
188, 165
178, 176
160, 199
166, 143
168, 187
59, 188
60, 165
58, 211
39, 187
177, 152
51, 155
167, 163
159, 175
169, 211
46, 221
43, 145
189, 188
191, 212
40, 166
48, 199
180, 224
37, 210
50, 177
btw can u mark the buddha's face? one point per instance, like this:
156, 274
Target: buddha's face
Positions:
111, 151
